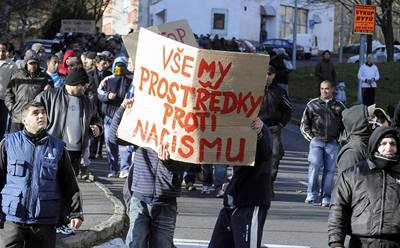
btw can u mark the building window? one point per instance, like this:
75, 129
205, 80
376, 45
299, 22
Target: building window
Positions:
219, 21
286, 26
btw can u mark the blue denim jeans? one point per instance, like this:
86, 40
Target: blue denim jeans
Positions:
322, 154
219, 175
151, 226
113, 150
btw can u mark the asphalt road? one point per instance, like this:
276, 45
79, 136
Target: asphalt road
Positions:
290, 221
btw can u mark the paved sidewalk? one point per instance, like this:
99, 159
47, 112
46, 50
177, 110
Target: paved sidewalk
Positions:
104, 217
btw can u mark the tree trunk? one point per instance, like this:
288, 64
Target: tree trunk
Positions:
369, 37
5, 21
387, 27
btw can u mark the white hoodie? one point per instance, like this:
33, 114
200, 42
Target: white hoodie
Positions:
368, 75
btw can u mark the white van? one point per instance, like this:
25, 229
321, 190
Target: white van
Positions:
308, 41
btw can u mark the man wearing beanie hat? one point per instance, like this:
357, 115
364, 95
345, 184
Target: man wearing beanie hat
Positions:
38, 48
366, 199
72, 117
26, 83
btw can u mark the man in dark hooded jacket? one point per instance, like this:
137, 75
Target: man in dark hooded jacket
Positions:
275, 112
366, 199
247, 198
358, 131
26, 83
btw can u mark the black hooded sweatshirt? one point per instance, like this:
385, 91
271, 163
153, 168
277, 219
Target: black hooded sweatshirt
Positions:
355, 121
366, 200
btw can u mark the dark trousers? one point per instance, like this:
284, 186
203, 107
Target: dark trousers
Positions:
16, 235
96, 146
3, 119
239, 228
277, 150
368, 96
15, 127
75, 157
357, 242
207, 174
190, 174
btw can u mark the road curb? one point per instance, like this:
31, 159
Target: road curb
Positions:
101, 232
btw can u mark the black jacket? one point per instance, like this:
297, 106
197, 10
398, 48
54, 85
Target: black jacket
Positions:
366, 199
251, 185
322, 120
357, 131
276, 108
325, 70
396, 117
22, 89
55, 102
282, 73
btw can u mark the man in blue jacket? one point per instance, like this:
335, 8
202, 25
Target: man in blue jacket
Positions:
111, 93
37, 184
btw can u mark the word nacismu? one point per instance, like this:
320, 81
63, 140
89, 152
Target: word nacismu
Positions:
223, 148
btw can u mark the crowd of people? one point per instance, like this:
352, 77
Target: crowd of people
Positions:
59, 109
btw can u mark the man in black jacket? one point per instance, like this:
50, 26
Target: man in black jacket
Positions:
275, 112
325, 69
321, 125
357, 131
26, 83
366, 199
247, 199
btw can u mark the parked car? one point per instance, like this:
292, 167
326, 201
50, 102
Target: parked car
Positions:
379, 54
246, 46
270, 44
46, 44
308, 41
355, 48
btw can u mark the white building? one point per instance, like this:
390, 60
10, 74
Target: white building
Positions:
249, 19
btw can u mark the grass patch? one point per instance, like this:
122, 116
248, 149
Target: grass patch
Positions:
304, 86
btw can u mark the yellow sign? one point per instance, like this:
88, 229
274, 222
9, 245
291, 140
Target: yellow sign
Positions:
364, 19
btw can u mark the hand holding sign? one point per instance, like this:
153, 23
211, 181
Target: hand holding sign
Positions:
127, 103
257, 125
163, 153
112, 95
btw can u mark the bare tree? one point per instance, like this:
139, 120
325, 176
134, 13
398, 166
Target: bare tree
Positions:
386, 9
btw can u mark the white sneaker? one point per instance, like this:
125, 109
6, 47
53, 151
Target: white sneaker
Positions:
205, 190
65, 230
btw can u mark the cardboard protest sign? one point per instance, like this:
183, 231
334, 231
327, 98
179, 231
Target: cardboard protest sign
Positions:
78, 26
199, 103
364, 19
177, 30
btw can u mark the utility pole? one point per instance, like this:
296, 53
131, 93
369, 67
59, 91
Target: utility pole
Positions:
294, 49
341, 32
361, 59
